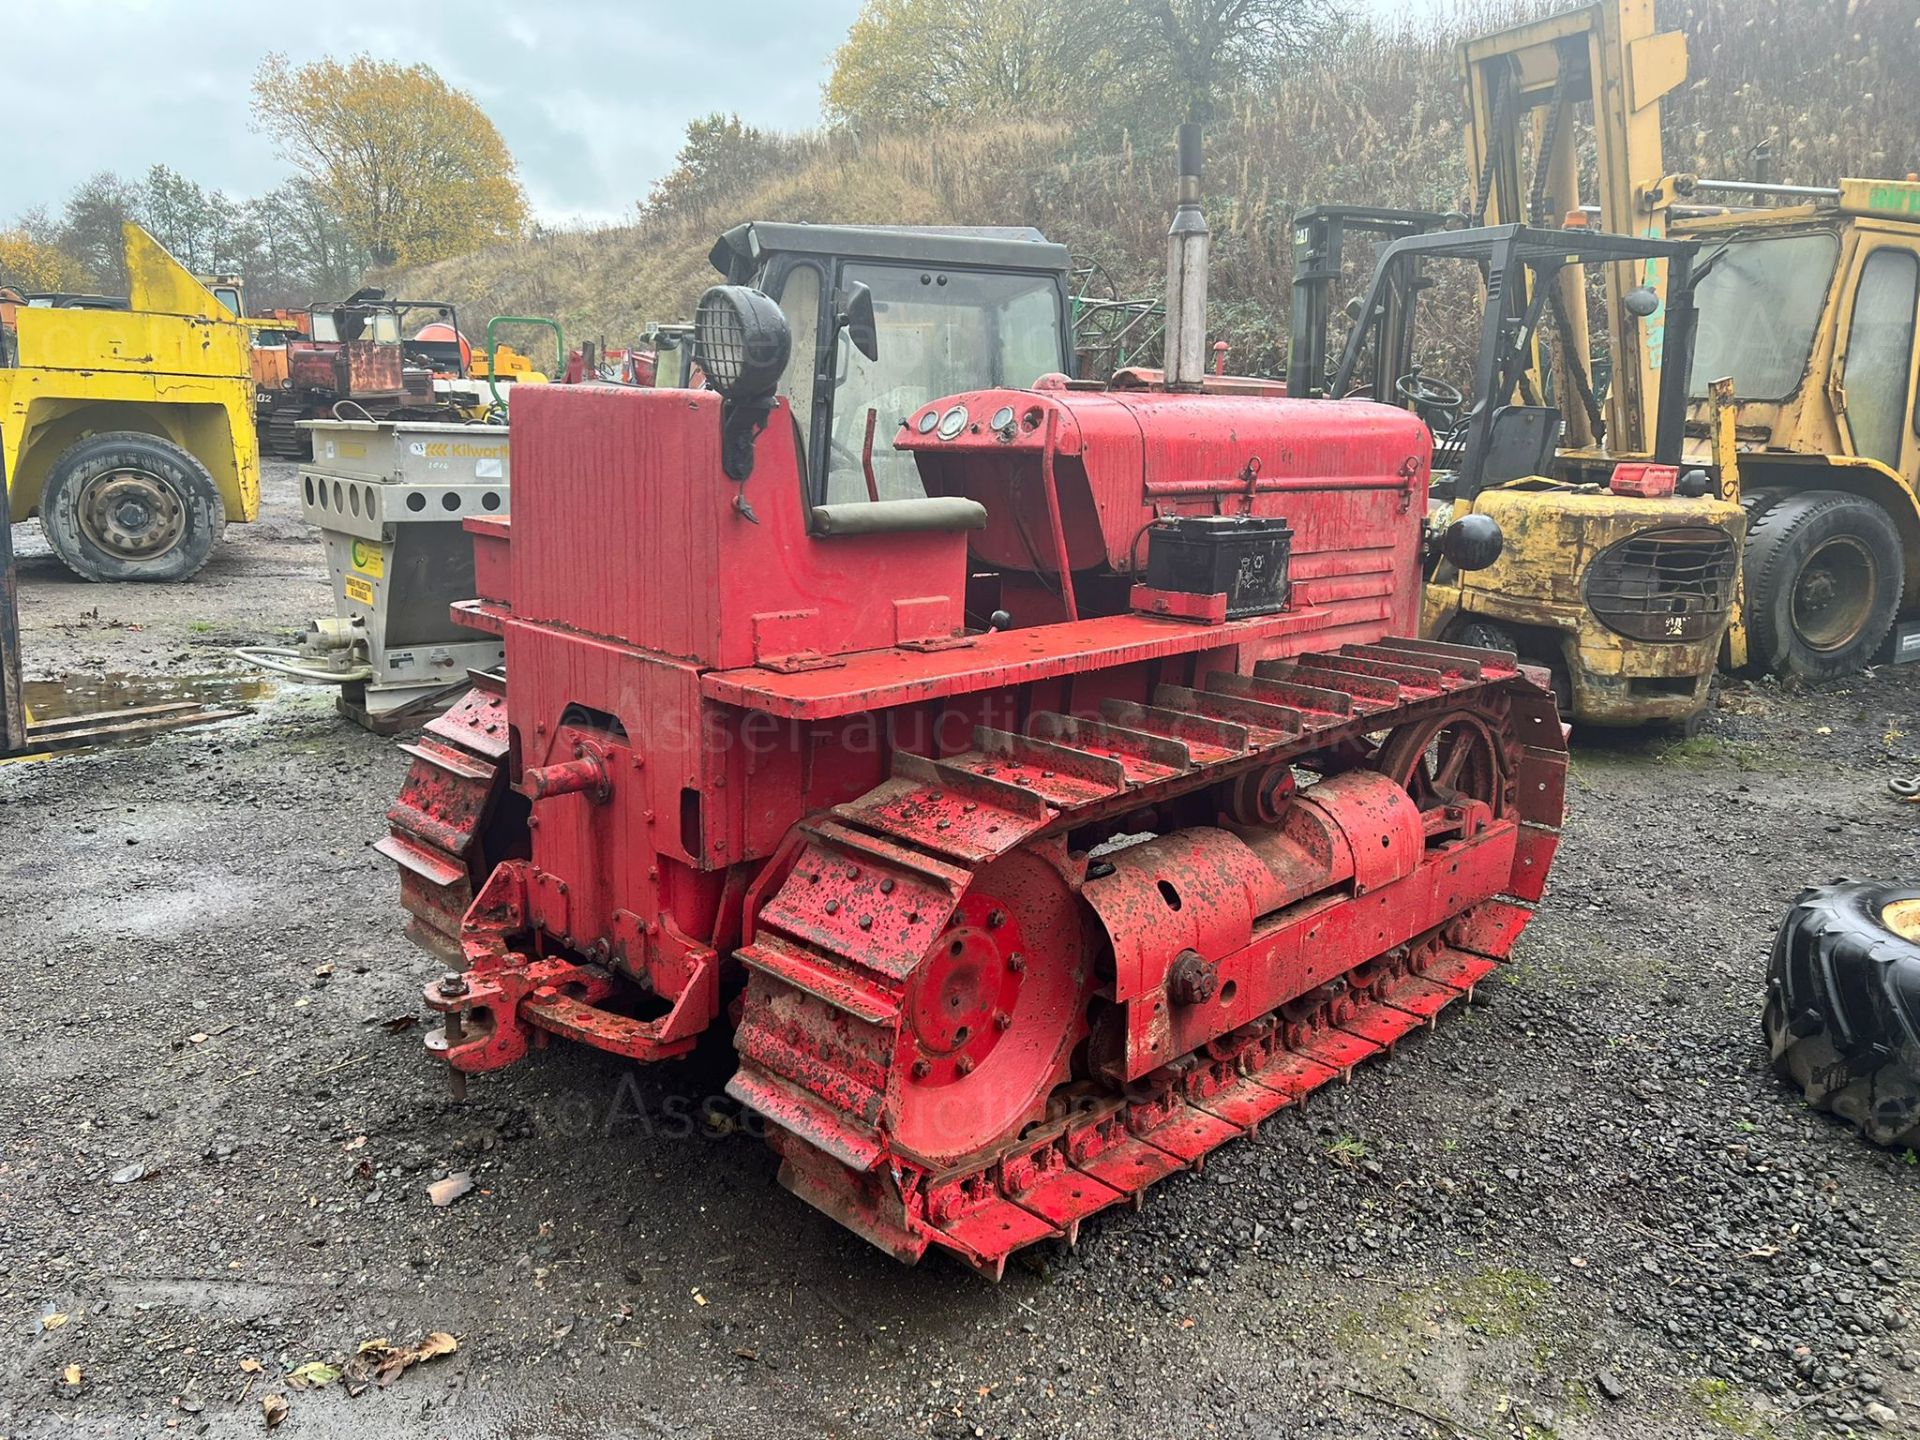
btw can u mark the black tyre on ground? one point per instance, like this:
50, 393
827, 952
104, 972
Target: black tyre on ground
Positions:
1823, 576
1843, 1005
127, 506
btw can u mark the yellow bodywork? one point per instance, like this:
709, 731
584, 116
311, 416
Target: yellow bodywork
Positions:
506, 364
1805, 441
1537, 590
1611, 56
175, 365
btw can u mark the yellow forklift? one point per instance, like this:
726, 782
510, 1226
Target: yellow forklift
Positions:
1808, 298
1620, 578
1619, 561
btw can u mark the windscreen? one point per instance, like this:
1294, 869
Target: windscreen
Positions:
380, 325
940, 332
1760, 305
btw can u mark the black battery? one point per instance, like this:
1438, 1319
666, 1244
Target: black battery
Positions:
1244, 557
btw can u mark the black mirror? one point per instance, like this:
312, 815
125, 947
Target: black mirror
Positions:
853, 313
1641, 301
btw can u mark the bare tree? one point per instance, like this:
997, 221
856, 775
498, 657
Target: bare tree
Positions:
1200, 48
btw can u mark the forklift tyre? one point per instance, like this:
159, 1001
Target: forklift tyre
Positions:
1842, 1015
128, 506
1823, 579
1486, 635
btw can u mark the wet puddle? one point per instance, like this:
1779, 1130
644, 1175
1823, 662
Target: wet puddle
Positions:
81, 712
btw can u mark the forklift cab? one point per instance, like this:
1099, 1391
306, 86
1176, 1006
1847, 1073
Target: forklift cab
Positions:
229, 290
1607, 565
884, 319
1501, 423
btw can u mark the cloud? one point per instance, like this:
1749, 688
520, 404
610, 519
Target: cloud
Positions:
592, 96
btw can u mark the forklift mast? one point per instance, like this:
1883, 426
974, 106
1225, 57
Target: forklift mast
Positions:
1523, 85
1319, 243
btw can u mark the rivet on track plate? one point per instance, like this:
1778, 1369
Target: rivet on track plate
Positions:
833, 907
886, 886
866, 922
853, 872
943, 825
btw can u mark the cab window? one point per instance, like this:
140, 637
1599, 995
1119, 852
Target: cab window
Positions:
940, 332
1880, 353
800, 302
1760, 307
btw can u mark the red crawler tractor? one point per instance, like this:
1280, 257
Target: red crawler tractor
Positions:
1010, 917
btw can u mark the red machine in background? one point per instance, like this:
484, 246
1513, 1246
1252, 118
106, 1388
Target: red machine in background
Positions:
1012, 916
355, 352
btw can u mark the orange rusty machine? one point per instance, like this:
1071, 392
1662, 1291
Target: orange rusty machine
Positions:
1031, 836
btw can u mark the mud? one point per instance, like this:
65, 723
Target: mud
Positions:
1582, 1209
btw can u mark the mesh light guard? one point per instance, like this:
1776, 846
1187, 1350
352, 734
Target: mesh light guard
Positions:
741, 341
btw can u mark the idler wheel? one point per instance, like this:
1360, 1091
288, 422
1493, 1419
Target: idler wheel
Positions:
991, 1015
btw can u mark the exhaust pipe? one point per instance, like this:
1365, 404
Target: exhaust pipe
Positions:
1188, 240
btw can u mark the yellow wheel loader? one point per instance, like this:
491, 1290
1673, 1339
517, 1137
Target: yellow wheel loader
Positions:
128, 425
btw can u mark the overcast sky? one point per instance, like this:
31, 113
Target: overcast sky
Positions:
592, 95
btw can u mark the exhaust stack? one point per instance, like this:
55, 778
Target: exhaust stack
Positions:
1188, 240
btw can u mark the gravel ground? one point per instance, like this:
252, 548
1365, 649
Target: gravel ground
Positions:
1583, 1208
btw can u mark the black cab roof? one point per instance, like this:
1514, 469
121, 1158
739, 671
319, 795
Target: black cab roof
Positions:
741, 251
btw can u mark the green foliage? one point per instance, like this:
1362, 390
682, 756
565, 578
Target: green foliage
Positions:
906, 61
611, 283
1347, 1150
720, 160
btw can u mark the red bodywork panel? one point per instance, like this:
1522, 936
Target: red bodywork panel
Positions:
625, 527
759, 673
1350, 480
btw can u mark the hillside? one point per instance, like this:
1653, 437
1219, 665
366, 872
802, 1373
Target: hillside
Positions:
1377, 120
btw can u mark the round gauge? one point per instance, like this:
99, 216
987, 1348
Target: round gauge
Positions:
928, 421
1002, 418
953, 422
